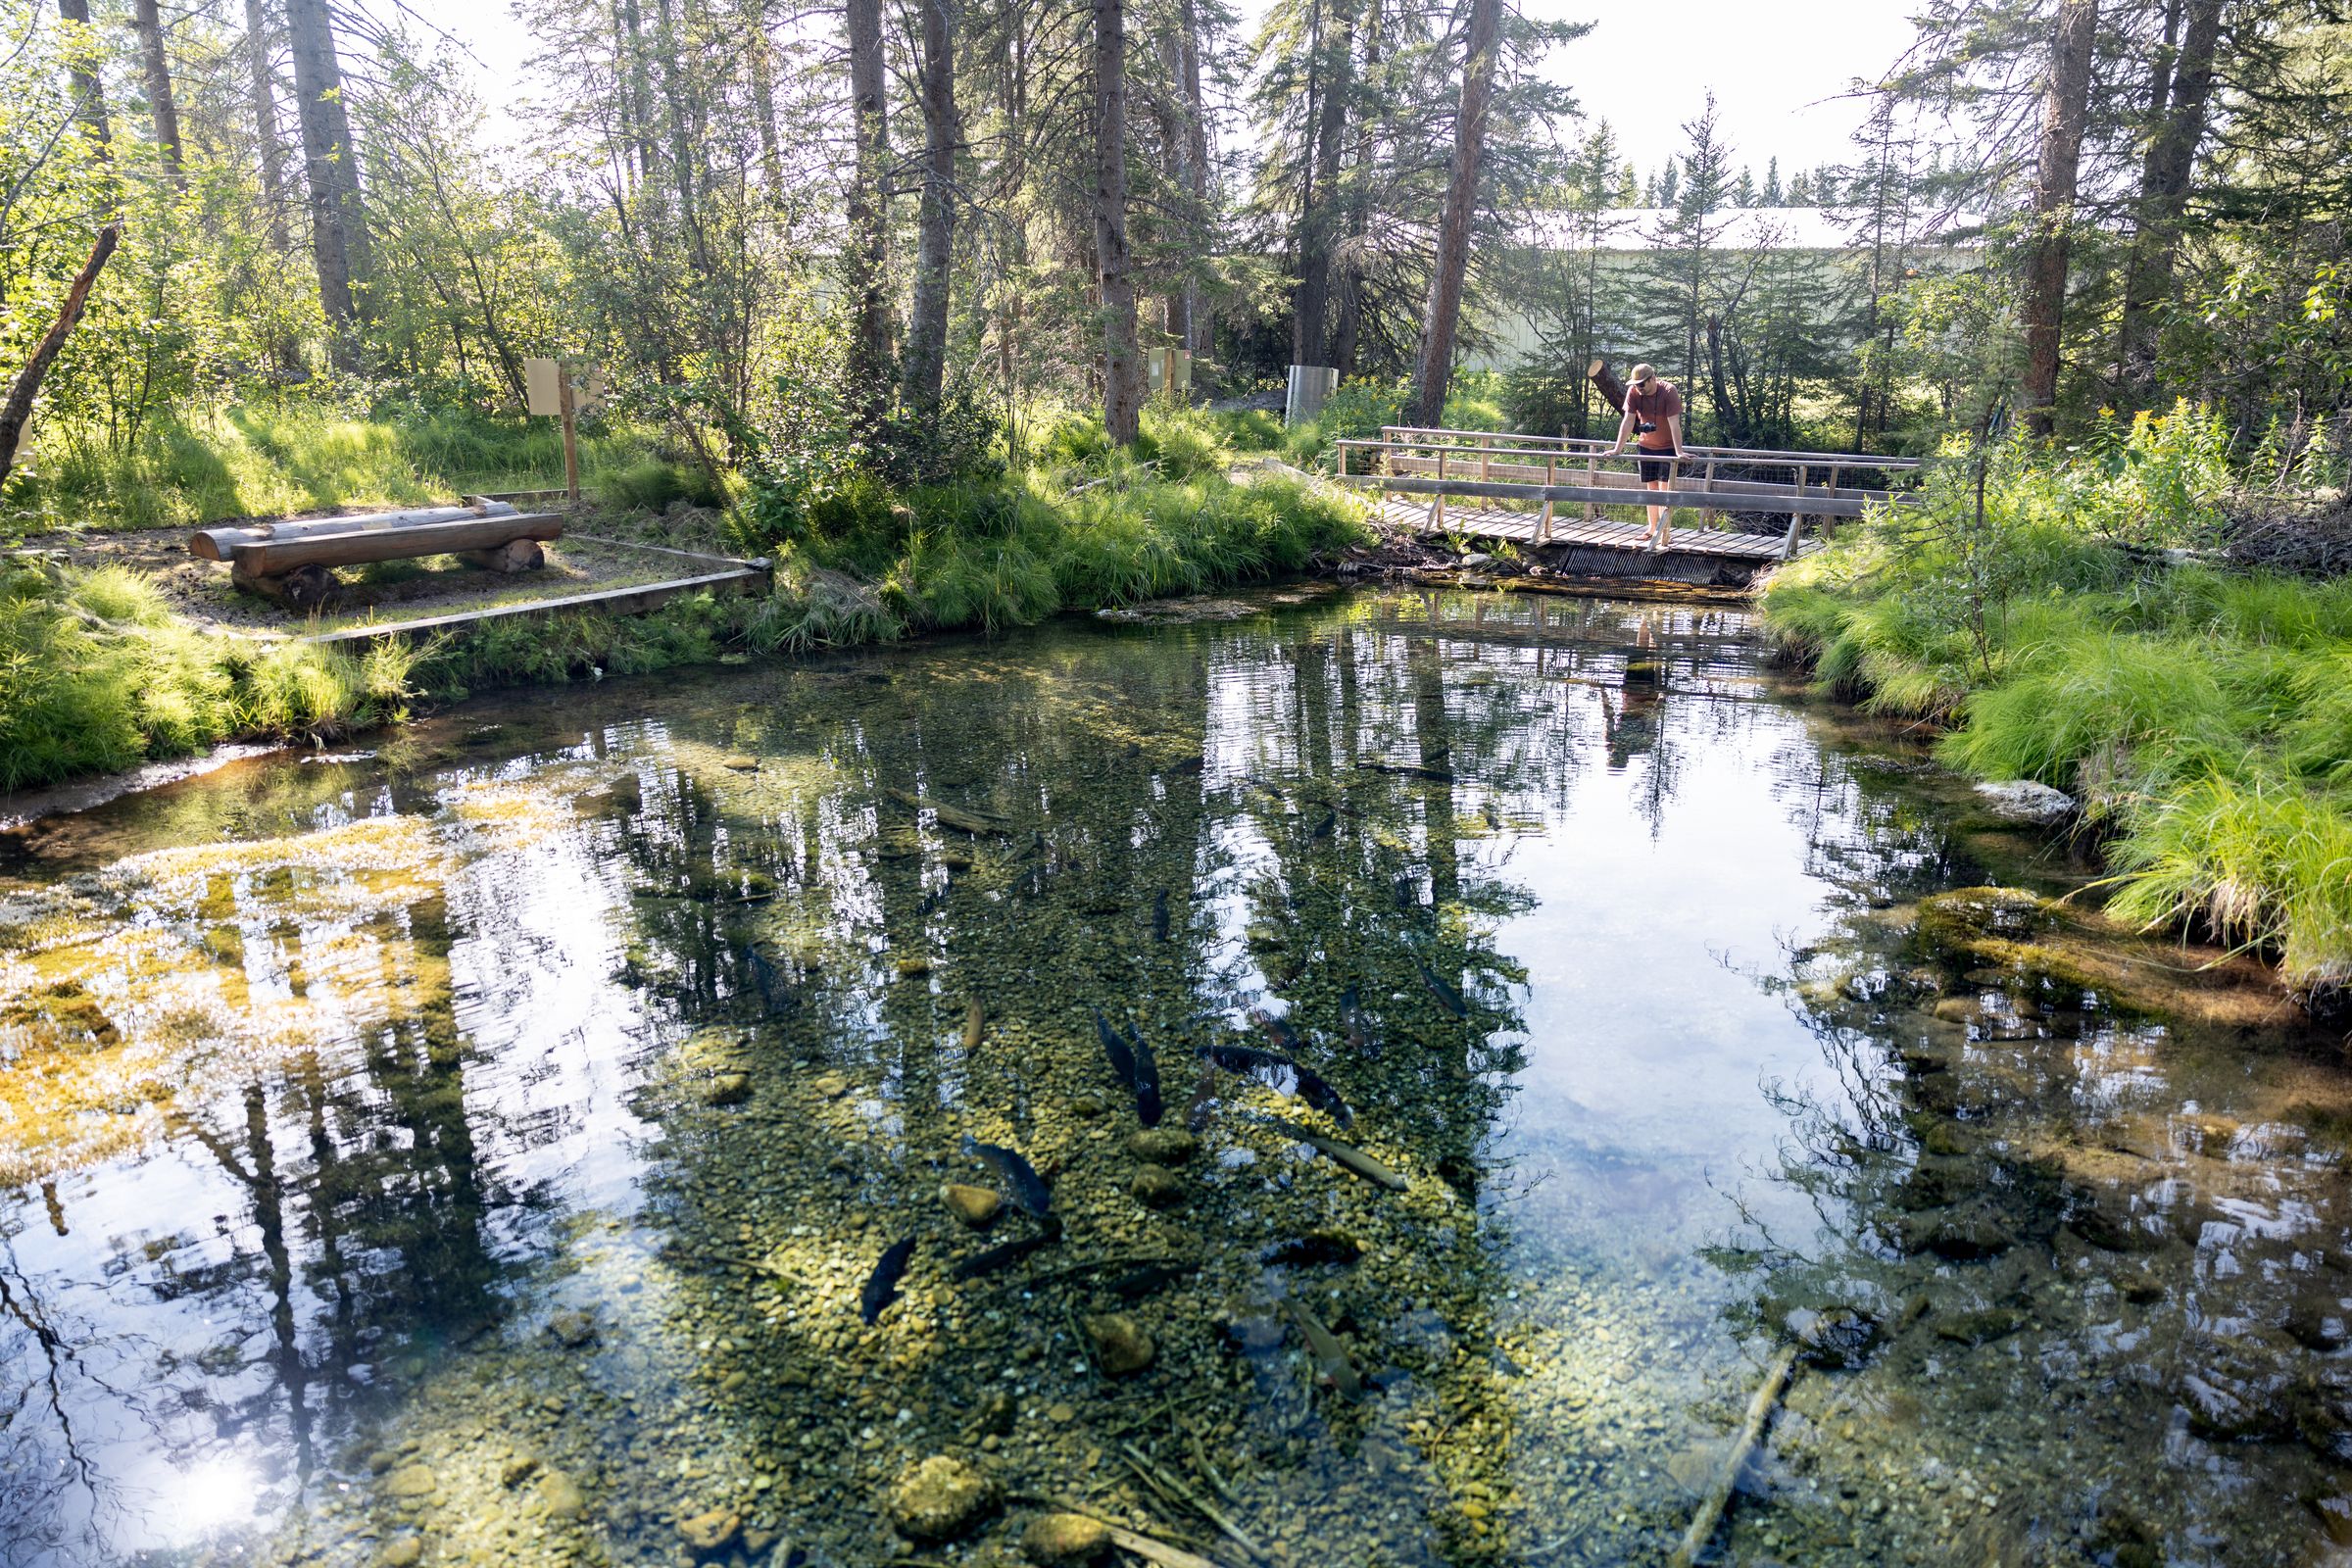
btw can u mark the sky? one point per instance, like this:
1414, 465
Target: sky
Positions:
1776, 71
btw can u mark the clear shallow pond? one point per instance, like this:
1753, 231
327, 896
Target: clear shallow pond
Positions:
476, 1150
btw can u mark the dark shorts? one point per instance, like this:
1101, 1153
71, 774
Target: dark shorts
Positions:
1655, 470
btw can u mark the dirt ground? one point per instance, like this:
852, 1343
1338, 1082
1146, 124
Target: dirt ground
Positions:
599, 549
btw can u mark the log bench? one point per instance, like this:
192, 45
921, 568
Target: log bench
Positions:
293, 563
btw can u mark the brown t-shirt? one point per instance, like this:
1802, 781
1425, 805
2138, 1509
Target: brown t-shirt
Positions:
1655, 406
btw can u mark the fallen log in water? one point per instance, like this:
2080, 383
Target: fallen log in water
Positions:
1711, 1506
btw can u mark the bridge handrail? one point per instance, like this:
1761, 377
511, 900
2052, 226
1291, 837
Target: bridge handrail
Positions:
1390, 434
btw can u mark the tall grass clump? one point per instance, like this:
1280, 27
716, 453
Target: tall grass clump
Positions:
2071, 631
268, 459
97, 674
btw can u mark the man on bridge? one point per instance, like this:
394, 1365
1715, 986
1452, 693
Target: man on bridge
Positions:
1653, 410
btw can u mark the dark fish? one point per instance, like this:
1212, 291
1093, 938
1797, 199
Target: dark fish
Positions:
1159, 916
1142, 1282
1435, 775
764, 979
1408, 897
1317, 1247
1122, 1061
1331, 1357
1029, 1192
1188, 768
1309, 1084
1007, 1253
1147, 1080
1448, 998
1204, 1103
1246, 1059
1323, 829
1320, 1094
1286, 1039
882, 1285
1352, 1019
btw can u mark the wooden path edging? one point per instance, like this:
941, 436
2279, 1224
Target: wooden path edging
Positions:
737, 576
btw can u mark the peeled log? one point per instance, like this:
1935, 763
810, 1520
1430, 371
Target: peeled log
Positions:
1602, 376
516, 554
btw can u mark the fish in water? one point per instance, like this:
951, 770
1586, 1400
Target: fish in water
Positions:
1309, 1084
1317, 1247
1325, 1098
1331, 1358
1286, 1039
975, 1020
1122, 1061
1203, 1103
1408, 897
1190, 767
1029, 1190
1352, 1019
882, 1285
1147, 1080
1007, 1254
1139, 1283
1323, 829
1159, 916
765, 980
1246, 1059
1448, 998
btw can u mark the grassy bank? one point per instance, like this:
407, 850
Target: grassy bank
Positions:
98, 674
273, 458
2079, 633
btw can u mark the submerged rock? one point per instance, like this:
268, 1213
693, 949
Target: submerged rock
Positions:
573, 1330
2022, 800
1065, 1539
938, 1499
708, 1535
1163, 1146
1155, 1185
406, 1551
727, 1089
412, 1481
977, 1207
562, 1497
1122, 1345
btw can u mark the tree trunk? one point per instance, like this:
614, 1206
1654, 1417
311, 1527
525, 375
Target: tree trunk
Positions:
1311, 304
637, 102
17, 412
1122, 360
338, 224
1175, 141
1196, 130
670, 58
1427, 405
2065, 108
762, 64
867, 253
2163, 196
1348, 326
925, 369
273, 152
90, 93
147, 19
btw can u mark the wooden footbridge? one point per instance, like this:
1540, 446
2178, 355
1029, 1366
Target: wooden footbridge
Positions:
1551, 491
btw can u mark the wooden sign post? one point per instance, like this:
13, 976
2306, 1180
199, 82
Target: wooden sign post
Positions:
549, 386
